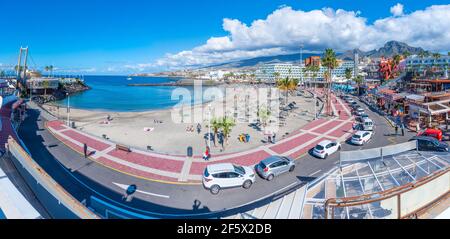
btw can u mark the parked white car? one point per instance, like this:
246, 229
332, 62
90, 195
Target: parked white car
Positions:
368, 125
227, 175
326, 148
359, 111
361, 137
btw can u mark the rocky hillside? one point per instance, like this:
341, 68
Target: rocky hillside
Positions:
389, 49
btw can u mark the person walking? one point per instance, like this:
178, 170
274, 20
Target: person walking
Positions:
269, 139
85, 150
418, 127
273, 138
206, 155
403, 129
199, 128
396, 129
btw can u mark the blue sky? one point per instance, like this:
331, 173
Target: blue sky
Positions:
135, 35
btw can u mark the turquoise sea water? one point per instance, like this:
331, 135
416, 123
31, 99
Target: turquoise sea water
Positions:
111, 93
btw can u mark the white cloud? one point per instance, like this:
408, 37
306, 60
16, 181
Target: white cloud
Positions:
285, 29
397, 10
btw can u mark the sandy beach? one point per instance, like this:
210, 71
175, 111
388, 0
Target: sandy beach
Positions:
158, 130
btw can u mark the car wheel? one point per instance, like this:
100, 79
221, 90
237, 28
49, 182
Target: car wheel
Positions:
270, 177
291, 169
247, 184
326, 156
215, 189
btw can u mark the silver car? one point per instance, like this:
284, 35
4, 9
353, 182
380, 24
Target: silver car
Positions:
274, 166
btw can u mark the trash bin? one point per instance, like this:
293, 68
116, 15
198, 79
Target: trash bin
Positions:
189, 152
247, 138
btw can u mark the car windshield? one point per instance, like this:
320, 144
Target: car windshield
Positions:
435, 141
262, 165
356, 136
239, 169
319, 147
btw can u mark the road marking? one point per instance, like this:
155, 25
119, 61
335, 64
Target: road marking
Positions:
185, 170
125, 187
392, 140
318, 171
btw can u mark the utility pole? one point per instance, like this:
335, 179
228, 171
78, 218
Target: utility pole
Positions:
301, 61
209, 125
68, 109
18, 63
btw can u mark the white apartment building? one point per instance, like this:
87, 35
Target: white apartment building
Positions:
266, 73
421, 63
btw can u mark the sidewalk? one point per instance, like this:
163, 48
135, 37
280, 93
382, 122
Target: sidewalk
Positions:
179, 169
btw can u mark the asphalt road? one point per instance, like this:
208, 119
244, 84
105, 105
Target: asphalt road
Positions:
83, 178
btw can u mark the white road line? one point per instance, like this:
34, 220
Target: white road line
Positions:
318, 171
185, 170
125, 187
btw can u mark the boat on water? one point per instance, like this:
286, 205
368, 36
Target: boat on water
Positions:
129, 78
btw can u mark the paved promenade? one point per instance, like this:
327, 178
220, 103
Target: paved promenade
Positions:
178, 169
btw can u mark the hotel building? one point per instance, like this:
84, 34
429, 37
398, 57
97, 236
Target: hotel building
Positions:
266, 73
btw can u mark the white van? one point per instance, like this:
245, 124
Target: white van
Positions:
367, 125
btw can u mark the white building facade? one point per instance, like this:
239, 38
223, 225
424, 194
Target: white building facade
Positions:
417, 62
266, 73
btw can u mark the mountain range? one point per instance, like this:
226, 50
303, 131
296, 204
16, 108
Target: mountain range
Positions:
390, 49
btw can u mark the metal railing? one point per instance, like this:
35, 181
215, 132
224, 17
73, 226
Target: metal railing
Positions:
407, 201
46, 188
361, 155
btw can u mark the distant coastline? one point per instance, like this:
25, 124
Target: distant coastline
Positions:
182, 82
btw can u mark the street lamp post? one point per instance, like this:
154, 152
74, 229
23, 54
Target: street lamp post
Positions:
68, 109
209, 125
315, 102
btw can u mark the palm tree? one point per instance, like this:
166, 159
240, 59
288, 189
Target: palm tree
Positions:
276, 76
50, 67
293, 85
306, 72
406, 54
263, 115
329, 60
359, 80
47, 68
252, 77
348, 73
284, 84
45, 84
215, 125
314, 69
227, 124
